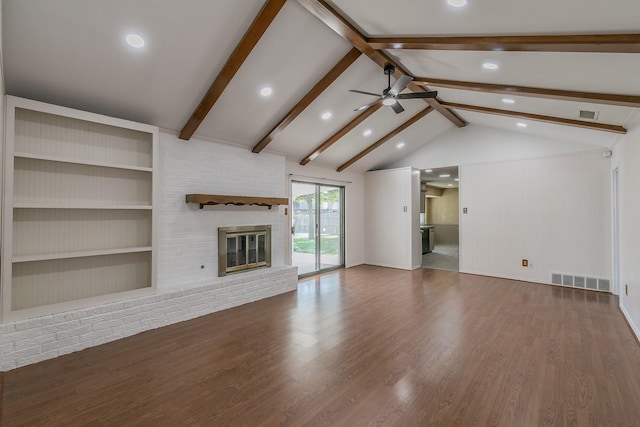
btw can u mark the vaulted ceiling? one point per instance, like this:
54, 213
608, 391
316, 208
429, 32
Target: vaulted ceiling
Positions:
204, 63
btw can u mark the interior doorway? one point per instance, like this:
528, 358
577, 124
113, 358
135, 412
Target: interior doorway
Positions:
317, 227
439, 218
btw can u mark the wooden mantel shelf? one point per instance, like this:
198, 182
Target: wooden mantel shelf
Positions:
217, 199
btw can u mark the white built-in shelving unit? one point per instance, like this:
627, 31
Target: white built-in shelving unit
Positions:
78, 219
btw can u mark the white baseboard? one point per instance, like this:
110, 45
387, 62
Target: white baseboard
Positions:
634, 327
397, 267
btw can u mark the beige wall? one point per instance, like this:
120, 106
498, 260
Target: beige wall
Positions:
444, 209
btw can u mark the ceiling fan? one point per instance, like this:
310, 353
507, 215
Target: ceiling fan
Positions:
391, 94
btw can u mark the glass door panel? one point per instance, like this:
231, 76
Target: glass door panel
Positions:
330, 227
303, 227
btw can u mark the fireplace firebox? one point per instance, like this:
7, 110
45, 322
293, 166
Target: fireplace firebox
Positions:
243, 248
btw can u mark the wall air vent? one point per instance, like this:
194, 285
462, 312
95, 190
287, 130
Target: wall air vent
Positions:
581, 282
591, 115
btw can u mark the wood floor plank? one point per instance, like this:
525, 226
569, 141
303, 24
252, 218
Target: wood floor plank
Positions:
365, 346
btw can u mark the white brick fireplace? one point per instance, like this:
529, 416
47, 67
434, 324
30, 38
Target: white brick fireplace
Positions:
188, 283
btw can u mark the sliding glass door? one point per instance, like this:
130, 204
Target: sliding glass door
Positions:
317, 227
304, 227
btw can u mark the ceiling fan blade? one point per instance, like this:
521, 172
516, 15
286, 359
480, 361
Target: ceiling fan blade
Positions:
363, 92
364, 107
397, 107
400, 84
418, 95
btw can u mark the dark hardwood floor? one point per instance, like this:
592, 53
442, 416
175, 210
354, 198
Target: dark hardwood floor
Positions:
357, 347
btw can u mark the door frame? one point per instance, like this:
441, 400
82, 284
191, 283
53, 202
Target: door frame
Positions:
615, 231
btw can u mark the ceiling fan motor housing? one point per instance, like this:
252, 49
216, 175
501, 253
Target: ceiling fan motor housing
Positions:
389, 69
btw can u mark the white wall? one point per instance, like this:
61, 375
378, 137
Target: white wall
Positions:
627, 160
187, 235
354, 200
554, 212
392, 205
478, 144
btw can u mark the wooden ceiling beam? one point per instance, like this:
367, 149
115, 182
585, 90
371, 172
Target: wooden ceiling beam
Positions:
385, 138
603, 43
537, 117
258, 27
436, 104
342, 132
320, 87
330, 17
562, 95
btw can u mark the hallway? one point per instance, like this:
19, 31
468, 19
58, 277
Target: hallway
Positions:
443, 257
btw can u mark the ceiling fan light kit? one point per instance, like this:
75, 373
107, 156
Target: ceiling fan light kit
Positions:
391, 94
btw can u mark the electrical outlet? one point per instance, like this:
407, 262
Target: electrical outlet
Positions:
525, 263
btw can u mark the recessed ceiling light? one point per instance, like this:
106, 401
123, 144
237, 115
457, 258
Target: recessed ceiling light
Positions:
266, 91
457, 3
457, 179
428, 170
522, 125
367, 132
134, 40
400, 145
508, 101
326, 116
444, 175
490, 66
449, 185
